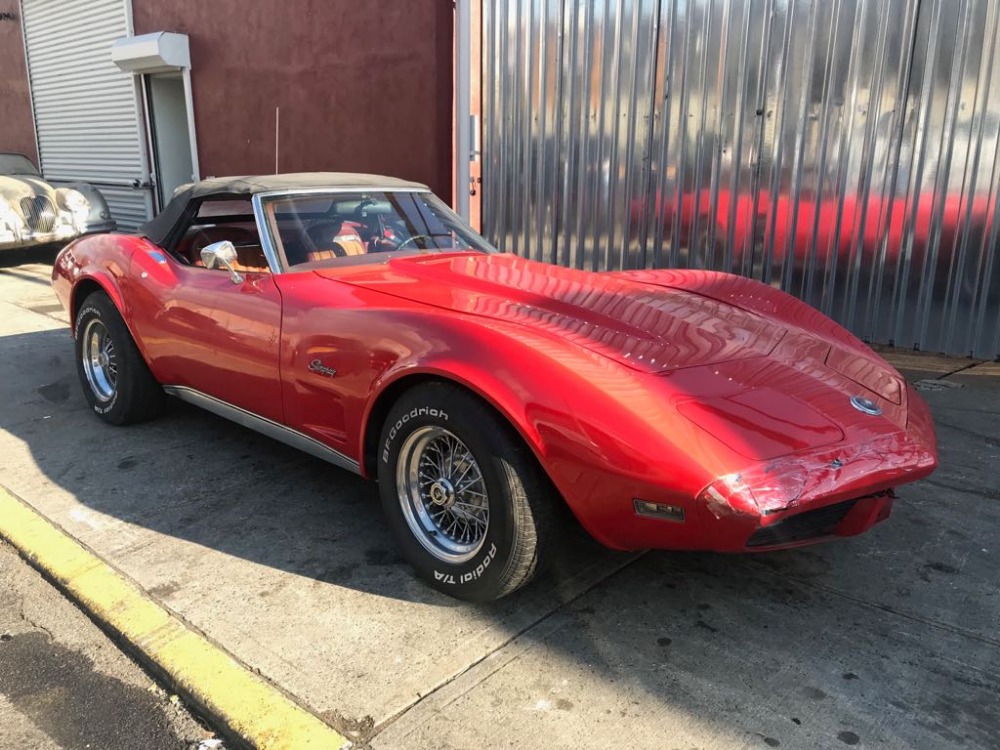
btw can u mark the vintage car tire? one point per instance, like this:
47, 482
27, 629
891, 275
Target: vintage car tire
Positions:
120, 389
518, 498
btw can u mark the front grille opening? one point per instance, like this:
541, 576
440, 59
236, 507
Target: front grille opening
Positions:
39, 213
809, 525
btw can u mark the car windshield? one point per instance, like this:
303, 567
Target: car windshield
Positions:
345, 228
17, 164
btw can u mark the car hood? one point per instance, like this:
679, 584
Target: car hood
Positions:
646, 327
13, 188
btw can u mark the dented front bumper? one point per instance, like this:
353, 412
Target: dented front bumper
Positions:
838, 490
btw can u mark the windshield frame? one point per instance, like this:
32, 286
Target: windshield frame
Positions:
270, 240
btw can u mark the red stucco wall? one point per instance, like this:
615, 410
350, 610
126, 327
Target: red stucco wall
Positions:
17, 125
362, 86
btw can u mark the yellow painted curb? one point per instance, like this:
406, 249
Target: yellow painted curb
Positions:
214, 681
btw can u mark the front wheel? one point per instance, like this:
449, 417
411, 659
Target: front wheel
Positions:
116, 382
462, 493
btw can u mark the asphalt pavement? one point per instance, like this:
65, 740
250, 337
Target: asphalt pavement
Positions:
65, 686
888, 640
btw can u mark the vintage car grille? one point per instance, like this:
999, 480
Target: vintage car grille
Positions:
809, 525
39, 213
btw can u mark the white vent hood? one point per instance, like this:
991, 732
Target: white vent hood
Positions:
158, 52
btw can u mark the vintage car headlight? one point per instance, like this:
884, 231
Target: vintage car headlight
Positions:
10, 220
78, 206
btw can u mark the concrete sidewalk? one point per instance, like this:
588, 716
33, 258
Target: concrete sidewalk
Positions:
887, 640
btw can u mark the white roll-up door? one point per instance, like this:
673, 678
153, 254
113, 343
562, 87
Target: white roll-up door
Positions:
86, 111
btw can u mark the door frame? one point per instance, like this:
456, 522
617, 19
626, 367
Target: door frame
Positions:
142, 84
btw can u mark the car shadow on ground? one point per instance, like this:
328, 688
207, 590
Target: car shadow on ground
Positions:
889, 638
24, 255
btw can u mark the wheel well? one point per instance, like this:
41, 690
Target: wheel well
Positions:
80, 292
378, 414
391, 394
384, 402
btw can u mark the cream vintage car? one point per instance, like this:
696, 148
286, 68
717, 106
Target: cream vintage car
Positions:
34, 212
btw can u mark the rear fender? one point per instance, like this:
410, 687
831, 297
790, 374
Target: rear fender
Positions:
89, 264
87, 285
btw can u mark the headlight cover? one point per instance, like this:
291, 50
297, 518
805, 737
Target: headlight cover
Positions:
11, 222
78, 206
772, 491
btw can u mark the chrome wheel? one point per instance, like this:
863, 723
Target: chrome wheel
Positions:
100, 361
442, 494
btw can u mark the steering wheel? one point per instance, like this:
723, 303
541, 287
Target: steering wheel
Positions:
408, 240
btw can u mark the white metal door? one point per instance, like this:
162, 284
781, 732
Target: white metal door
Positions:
86, 110
166, 113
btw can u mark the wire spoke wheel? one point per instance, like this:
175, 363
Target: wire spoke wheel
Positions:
100, 360
442, 494
468, 504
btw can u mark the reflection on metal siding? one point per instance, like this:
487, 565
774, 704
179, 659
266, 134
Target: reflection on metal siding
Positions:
846, 150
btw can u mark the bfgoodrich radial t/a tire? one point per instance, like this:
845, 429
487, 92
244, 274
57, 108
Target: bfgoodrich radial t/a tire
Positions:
464, 496
116, 382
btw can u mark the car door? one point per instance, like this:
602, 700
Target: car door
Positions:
211, 331
327, 365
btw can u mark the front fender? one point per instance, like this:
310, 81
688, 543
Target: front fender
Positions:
492, 362
96, 216
596, 427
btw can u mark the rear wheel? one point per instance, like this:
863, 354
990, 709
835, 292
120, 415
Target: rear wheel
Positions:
116, 381
465, 498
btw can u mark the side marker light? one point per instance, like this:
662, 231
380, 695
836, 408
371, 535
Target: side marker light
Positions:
658, 510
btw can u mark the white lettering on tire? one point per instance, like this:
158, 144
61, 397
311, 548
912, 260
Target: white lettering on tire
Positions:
420, 411
473, 574
98, 408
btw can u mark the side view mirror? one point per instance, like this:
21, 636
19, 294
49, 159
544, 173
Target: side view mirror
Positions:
222, 254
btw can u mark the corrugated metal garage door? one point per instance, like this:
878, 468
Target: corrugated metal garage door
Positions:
85, 108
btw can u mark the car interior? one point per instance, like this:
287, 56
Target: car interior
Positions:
249, 253
218, 220
311, 229
315, 229
307, 233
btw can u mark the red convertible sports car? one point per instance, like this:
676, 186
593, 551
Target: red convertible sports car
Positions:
357, 318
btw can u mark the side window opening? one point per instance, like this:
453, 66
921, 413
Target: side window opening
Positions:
229, 219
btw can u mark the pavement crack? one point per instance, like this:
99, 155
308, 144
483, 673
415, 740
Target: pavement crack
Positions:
492, 654
967, 410
963, 368
36, 625
977, 491
954, 629
990, 441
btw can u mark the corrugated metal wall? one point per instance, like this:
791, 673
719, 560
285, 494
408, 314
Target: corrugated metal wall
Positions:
86, 112
845, 150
